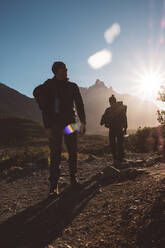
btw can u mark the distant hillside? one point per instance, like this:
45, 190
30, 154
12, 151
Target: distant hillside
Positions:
13, 103
19, 131
140, 113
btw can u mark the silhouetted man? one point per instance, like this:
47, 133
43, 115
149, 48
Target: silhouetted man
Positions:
56, 98
115, 119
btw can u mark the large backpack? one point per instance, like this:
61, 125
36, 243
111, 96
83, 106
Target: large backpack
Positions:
41, 95
116, 116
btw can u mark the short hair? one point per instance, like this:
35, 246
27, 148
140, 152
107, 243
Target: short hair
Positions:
56, 65
112, 99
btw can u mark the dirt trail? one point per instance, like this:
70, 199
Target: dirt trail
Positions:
111, 210
157, 171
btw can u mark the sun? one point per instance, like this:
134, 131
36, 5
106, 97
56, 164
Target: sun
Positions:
148, 84
147, 75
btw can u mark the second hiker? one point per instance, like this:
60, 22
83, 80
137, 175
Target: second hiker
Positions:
115, 119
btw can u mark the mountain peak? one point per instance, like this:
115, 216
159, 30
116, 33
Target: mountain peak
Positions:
98, 84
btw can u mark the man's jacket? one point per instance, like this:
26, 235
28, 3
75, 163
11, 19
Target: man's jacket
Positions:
115, 117
56, 100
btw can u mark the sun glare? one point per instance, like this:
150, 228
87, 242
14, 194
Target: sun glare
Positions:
148, 84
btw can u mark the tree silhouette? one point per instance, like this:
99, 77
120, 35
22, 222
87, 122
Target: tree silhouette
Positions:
161, 113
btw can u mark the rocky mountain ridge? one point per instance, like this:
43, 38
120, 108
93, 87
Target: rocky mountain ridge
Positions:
140, 113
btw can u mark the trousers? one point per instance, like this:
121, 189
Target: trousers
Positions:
116, 138
55, 145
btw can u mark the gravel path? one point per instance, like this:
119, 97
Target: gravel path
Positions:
112, 210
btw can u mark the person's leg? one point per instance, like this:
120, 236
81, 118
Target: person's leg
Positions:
120, 139
71, 143
55, 144
112, 143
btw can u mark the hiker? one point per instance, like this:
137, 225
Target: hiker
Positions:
56, 98
115, 119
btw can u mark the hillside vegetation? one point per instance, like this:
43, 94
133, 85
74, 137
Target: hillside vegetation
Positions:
24, 146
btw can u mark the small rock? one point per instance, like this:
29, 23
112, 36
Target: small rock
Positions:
149, 162
129, 173
90, 158
133, 208
109, 173
31, 164
139, 162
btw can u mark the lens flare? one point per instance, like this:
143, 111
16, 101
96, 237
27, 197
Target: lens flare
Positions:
112, 32
71, 128
99, 59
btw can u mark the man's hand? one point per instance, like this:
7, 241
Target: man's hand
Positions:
125, 131
49, 132
82, 128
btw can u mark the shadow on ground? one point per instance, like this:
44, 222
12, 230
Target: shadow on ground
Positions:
152, 227
39, 225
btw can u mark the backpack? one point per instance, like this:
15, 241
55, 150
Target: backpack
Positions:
115, 117
106, 118
41, 95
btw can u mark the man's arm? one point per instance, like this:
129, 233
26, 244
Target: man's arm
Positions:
79, 105
125, 123
80, 109
102, 121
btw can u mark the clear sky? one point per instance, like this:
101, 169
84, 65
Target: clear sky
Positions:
35, 33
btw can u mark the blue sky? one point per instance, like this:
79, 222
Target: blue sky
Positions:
36, 33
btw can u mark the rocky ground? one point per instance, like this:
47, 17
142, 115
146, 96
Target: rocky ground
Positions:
115, 208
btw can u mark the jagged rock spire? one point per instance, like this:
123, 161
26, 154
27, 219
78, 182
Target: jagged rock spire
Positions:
99, 83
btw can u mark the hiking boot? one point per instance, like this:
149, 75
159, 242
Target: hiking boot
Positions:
54, 190
121, 160
119, 164
115, 161
75, 184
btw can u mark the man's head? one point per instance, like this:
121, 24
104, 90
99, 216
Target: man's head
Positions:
60, 71
112, 100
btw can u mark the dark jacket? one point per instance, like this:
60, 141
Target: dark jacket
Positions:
67, 94
115, 117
